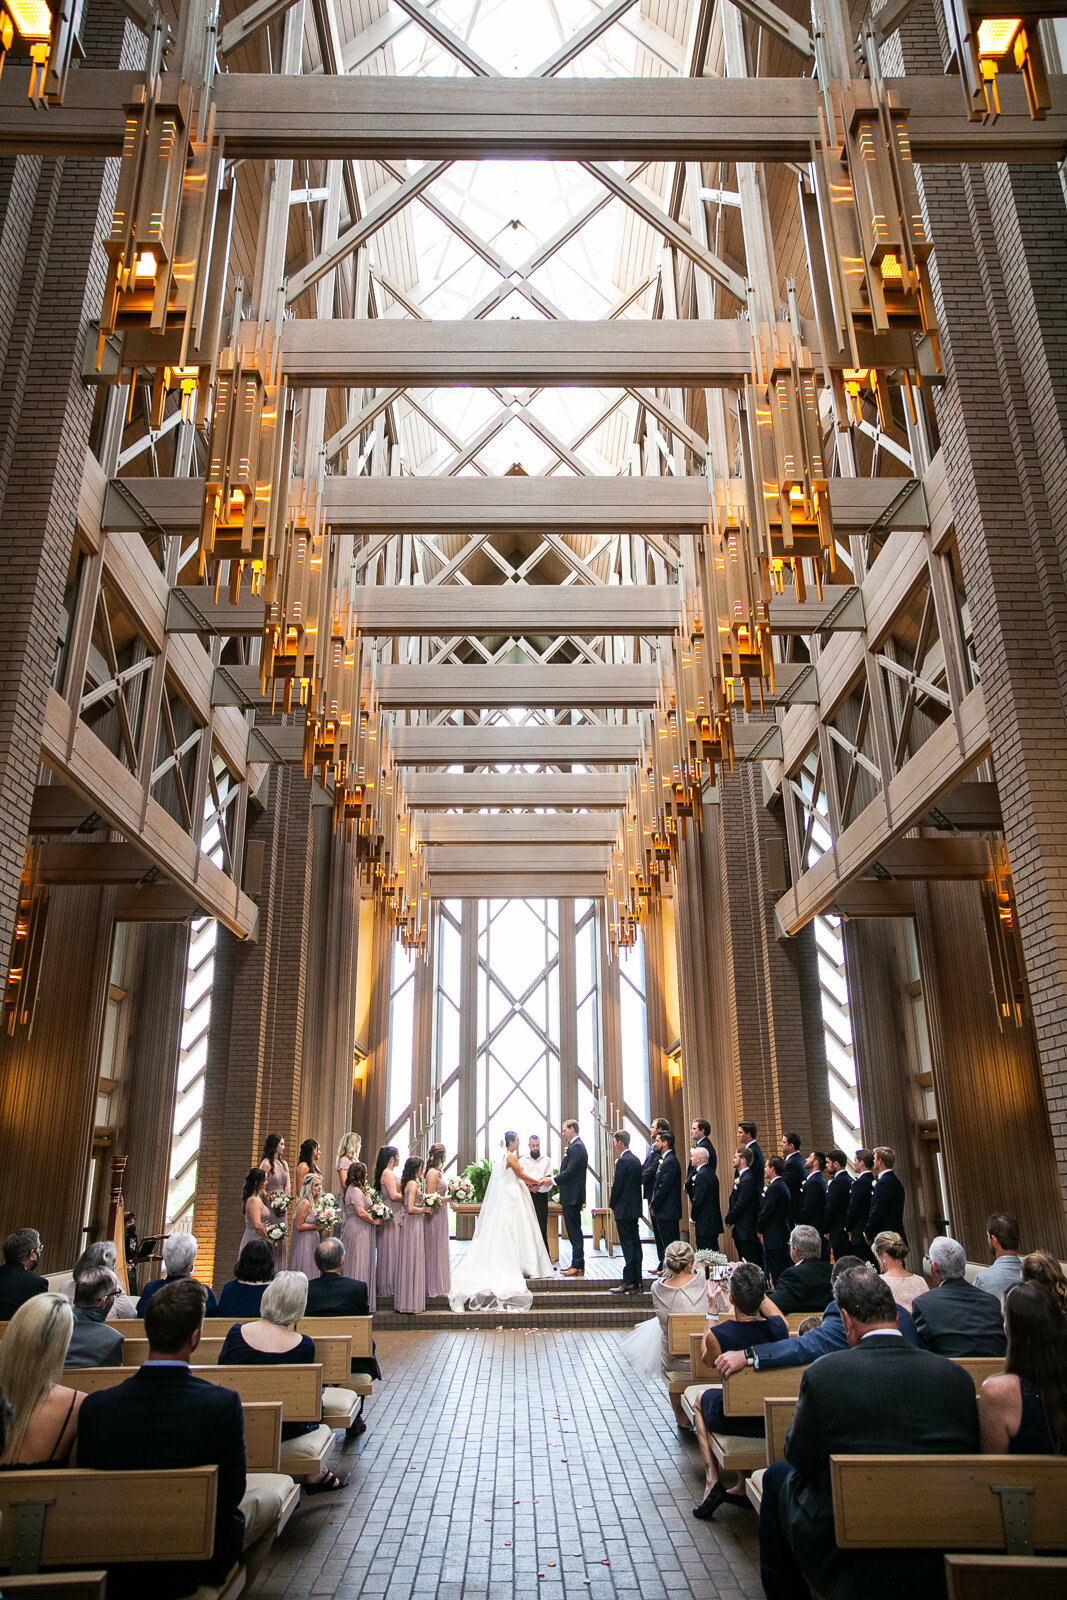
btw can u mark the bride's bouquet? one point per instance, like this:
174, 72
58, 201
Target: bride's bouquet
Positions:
460, 1190
432, 1202
280, 1203
276, 1232
380, 1209
327, 1211
714, 1263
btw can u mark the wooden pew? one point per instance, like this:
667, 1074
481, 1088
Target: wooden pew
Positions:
1004, 1577
778, 1417
980, 1367
263, 1418
1017, 1504
793, 1319
59, 1585
109, 1518
333, 1352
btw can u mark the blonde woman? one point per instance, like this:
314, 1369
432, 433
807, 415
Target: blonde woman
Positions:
347, 1151
890, 1252
308, 1230
32, 1353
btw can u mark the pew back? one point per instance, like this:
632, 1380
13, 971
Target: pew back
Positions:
101, 1518
793, 1319
778, 1414
680, 1328
359, 1329
744, 1392
948, 1502
297, 1389
1006, 1577
980, 1367
333, 1352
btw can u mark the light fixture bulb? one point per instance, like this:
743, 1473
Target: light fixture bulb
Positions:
146, 265
996, 34
32, 18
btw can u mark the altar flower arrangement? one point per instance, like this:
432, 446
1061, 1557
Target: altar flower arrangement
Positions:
460, 1189
276, 1232
280, 1203
432, 1202
379, 1209
328, 1211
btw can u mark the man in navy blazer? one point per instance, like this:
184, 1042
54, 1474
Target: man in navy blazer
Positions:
794, 1173
838, 1190
957, 1318
571, 1185
812, 1211
163, 1418
665, 1207
859, 1206
746, 1135
625, 1204
702, 1187
773, 1221
743, 1214
887, 1198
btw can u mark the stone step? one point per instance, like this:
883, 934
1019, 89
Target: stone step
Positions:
549, 1301
609, 1317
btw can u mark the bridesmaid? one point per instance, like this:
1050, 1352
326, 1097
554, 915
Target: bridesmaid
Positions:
347, 1152
258, 1216
278, 1182
438, 1272
358, 1232
410, 1292
307, 1163
308, 1231
389, 1238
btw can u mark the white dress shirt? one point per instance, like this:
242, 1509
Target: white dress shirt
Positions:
539, 1167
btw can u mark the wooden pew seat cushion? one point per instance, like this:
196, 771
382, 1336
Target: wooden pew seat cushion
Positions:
263, 1501
308, 1446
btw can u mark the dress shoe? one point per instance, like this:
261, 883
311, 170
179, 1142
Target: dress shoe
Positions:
623, 1288
573, 1272
710, 1503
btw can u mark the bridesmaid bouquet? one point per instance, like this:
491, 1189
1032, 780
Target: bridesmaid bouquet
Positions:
276, 1231
327, 1210
380, 1209
460, 1189
432, 1202
279, 1203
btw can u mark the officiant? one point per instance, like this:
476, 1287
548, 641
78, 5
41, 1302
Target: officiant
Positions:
535, 1165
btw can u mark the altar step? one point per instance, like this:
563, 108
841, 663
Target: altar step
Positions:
568, 1303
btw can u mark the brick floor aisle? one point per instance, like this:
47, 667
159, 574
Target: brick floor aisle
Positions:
493, 1458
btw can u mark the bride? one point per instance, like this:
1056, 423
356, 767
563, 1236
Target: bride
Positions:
507, 1247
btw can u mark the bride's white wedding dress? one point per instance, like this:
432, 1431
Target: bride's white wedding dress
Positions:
507, 1244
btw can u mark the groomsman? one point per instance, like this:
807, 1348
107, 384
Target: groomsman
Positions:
535, 1165
887, 1198
702, 1187
743, 1215
571, 1185
835, 1224
794, 1173
648, 1176
812, 1211
665, 1207
625, 1203
746, 1135
700, 1133
859, 1206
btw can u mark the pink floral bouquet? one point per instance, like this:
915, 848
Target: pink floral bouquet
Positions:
380, 1209
460, 1189
280, 1203
432, 1202
327, 1210
276, 1232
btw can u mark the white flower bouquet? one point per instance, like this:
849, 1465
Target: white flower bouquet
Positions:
460, 1189
713, 1261
280, 1203
380, 1209
276, 1232
432, 1202
327, 1211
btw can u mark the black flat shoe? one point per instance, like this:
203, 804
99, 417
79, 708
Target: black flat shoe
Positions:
710, 1503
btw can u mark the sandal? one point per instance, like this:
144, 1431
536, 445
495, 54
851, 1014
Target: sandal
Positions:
326, 1485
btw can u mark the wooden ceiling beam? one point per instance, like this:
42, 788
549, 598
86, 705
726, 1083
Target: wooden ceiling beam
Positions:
530, 828
477, 688
517, 610
485, 857
517, 886
444, 791
452, 745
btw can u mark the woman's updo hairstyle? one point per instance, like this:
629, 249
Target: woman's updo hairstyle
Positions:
891, 1245
678, 1257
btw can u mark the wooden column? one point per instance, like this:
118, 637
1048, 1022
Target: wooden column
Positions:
330, 1009
152, 1055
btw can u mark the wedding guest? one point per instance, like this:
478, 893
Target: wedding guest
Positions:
92, 1342
747, 1328
359, 1231
1023, 1410
347, 1152
535, 1165
680, 1291
1002, 1236
859, 1205
702, 1187
308, 1227
409, 1294
19, 1280
32, 1353
954, 1318
387, 1185
804, 1286
1039, 1267
332, 1293
242, 1296
700, 1138
649, 1168
438, 1268
278, 1182
100, 1254
307, 1163
179, 1258
773, 1220
838, 1193
743, 1214
890, 1252
258, 1215
272, 1341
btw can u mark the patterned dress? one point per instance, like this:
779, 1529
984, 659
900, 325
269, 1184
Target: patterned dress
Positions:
359, 1239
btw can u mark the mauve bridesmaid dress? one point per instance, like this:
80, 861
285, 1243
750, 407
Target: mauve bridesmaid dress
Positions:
359, 1238
410, 1291
250, 1233
305, 1243
276, 1185
389, 1246
438, 1271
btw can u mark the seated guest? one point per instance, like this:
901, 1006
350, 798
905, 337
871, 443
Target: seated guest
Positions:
805, 1286
93, 1343
164, 1417
808, 1344
747, 1328
773, 1220
100, 1254
1002, 1236
32, 1353
879, 1397
1039, 1267
19, 1280
1023, 1410
179, 1256
680, 1291
254, 1270
332, 1294
272, 1341
809, 1325
890, 1252
955, 1318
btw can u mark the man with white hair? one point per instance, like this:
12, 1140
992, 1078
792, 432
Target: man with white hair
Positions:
179, 1257
955, 1318
702, 1187
806, 1285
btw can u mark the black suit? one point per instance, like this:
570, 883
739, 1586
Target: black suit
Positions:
759, 1164
803, 1287
743, 1217
813, 1207
16, 1287
164, 1417
625, 1203
859, 1205
571, 1185
648, 1173
883, 1398
334, 1295
794, 1175
666, 1202
835, 1225
713, 1160
957, 1319
887, 1208
704, 1207
774, 1227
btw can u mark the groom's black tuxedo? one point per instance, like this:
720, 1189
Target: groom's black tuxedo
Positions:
571, 1185
625, 1202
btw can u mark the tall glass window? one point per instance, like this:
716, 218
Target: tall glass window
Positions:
518, 1052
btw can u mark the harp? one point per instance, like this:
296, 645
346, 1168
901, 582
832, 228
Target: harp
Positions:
116, 1220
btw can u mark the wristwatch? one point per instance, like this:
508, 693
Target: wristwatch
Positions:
750, 1357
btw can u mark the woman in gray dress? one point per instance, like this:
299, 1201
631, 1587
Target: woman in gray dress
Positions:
308, 1230
410, 1291
438, 1271
385, 1181
258, 1216
359, 1231
278, 1182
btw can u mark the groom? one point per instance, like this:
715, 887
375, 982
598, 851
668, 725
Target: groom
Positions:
571, 1184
